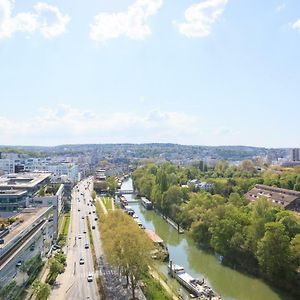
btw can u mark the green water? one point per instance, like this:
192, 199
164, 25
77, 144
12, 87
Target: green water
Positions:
228, 283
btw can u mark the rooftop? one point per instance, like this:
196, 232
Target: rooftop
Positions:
22, 180
12, 192
283, 197
28, 216
153, 236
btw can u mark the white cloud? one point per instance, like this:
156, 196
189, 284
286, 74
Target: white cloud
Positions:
132, 23
52, 21
67, 124
45, 18
296, 25
200, 17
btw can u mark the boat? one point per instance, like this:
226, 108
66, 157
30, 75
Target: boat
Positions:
195, 286
123, 201
139, 222
146, 203
128, 209
161, 251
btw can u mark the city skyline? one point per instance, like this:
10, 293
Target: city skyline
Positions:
141, 71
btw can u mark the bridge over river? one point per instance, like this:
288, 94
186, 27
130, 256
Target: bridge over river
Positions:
126, 192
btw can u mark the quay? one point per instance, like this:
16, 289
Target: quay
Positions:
173, 224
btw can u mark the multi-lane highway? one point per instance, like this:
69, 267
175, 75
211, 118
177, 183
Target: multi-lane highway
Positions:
73, 283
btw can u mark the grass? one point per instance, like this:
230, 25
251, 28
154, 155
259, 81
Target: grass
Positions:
153, 289
64, 228
107, 201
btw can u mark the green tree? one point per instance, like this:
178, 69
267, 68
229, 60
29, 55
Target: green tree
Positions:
41, 290
55, 266
93, 195
111, 185
126, 246
273, 252
173, 196
42, 191
295, 250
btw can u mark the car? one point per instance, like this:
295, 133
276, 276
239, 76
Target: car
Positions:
96, 219
82, 217
93, 227
86, 246
19, 263
94, 211
88, 204
78, 209
79, 236
90, 213
90, 277
84, 231
81, 261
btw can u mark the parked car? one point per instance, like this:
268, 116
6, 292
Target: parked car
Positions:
81, 261
93, 227
86, 246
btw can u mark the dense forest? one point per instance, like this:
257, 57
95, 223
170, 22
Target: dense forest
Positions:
260, 238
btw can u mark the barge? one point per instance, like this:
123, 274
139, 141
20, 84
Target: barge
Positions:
123, 201
146, 203
161, 251
195, 286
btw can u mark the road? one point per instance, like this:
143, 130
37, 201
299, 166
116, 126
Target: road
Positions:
73, 283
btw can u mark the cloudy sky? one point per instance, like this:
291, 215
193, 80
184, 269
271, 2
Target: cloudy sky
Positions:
210, 72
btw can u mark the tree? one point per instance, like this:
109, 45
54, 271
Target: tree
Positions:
111, 185
247, 166
273, 252
172, 197
42, 191
125, 246
295, 250
263, 211
41, 290
93, 195
55, 266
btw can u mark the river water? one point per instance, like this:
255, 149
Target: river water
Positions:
228, 283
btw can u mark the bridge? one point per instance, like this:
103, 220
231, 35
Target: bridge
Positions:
125, 192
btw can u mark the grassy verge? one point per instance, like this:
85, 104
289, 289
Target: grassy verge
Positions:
64, 229
99, 209
107, 201
95, 261
153, 289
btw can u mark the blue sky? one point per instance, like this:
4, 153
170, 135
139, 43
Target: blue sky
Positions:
214, 72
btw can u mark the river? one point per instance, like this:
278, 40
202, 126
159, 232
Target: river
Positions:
229, 283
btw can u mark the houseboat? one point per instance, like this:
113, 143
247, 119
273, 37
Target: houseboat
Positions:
123, 201
195, 286
146, 203
161, 251
128, 209
138, 221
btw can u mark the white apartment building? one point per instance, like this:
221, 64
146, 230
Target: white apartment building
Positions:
7, 165
68, 169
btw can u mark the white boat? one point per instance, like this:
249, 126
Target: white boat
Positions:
198, 287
